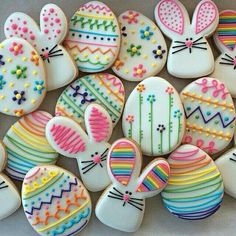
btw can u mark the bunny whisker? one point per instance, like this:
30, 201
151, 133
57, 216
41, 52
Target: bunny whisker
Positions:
51, 53
118, 198
135, 206
51, 50
232, 159
179, 42
89, 168
199, 43
137, 199
87, 161
197, 40
229, 56
138, 203
179, 46
225, 59
118, 191
56, 55
85, 167
115, 194
228, 61
105, 152
180, 50
234, 154
199, 47
4, 186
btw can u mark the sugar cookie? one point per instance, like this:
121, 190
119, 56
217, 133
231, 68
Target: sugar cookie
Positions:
94, 37
210, 115
22, 78
195, 187
190, 54
47, 39
154, 117
69, 139
122, 205
27, 145
143, 49
225, 39
55, 201
103, 88
9, 196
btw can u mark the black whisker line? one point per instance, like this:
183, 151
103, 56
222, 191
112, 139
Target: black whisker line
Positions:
57, 55
101, 165
89, 169
116, 194
3, 182
118, 191
190, 50
229, 56
137, 203
52, 48
179, 42
225, 59
115, 197
51, 53
180, 50
179, 46
199, 43
137, 199
6, 186
104, 152
85, 167
135, 206
124, 204
199, 47
232, 159
87, 161
197, 40
234, 154
103, 158
225, 63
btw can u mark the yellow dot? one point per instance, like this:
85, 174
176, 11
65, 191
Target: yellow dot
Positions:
4, 70
24, 59
134, 49
18, 96
39, 87
34, 72
19, 72
6, 110
107, 58
33, 101
159, 52
154, 64
26, 85
97, 57
74, 53
1, 45
9, 59
16, 48
126, 71
145, 56
154, 41
146, 33
11, 84
85, 55
139, 71
2, 97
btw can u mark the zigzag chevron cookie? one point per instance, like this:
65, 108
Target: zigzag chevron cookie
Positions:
210, 114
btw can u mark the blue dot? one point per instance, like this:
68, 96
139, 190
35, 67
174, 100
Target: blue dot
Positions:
226, 118
208, 113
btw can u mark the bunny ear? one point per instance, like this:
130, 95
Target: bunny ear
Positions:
66, 136
3, 156
98, 123
172, 17
154, 178
205, 18
225, 35
53, 23
124, 160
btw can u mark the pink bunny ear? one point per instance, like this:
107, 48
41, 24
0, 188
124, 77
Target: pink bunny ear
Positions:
98, 123
66, 136
171, 16
154, 178
3, 156
124, 161
53, 23
205, 17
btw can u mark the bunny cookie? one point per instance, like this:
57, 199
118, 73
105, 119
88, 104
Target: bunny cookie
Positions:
122, 205
47, 39
190, 55
225, 39
9, 196
69, 139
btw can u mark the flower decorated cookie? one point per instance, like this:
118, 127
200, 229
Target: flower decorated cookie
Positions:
90, 150
225, 39
122, 205
154, 117
22, 78
104, 89
210, 115
55, 201
190, 55
47, 39
195, 187
143, 49
9, 196
94, 37
27, 145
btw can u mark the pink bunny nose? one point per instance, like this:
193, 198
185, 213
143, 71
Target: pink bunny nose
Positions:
126, 197
234, 61
189, 43
97, 159
46, 54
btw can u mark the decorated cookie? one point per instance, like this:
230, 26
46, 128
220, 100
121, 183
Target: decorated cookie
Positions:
9, 196
27, 145
190, 55
22, 78
154, 117
47, 39
143, 49
195, 187
225, 39
125, 198
210, 115
90, 149
94, 37
55, 201
104, 89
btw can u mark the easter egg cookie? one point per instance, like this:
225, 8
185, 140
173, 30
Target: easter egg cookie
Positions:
55, 201
104, 89
143, 49
22, 78
125, 197
195, 187
225, 39
47, 40
27, 146
154, 117
94, 37
210, 115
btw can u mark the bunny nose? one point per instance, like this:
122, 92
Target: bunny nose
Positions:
126, 197
46, 54
97, 159
189, 43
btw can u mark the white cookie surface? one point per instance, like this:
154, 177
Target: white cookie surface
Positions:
154, 117
143, 49
47, 40
210, 115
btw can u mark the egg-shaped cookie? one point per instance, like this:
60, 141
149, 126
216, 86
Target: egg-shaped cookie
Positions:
195, 188
27, 146
143, 49
154, 117
210, 114
55, 202
104, 89
94, 37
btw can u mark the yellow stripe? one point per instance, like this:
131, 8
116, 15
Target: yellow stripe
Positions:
226, 29
154, 183
95, 16
123, 150
121, 165
197, 173
228, 17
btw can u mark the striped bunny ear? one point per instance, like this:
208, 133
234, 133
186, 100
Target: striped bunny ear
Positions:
124, 161
154, 178
3, 156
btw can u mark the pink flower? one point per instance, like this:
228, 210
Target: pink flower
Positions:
139, 71
16, 48
131, 17
170, 90
130, 119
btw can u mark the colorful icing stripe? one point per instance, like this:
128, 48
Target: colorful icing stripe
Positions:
122, 161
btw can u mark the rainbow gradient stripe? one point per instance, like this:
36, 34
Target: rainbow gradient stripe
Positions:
155, 179
122, 161
227, 29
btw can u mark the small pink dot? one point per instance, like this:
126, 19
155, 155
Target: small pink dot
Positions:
14, 26
45, 18
25, 29
57, 20
46, 31
24, 22
58, 31
51, 10
32, 37
51, 24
